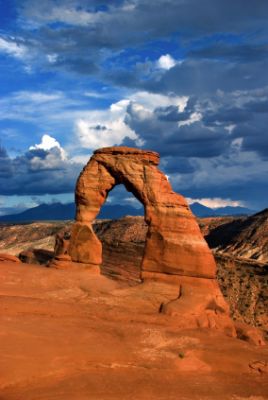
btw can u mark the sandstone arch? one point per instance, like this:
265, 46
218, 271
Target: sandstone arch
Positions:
174, 243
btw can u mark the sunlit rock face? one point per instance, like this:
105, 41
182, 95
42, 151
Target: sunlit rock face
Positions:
174, 243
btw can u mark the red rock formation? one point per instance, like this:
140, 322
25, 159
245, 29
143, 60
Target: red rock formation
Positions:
174, 243
175, 250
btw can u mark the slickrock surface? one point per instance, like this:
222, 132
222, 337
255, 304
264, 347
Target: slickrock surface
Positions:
243, 282
70, 335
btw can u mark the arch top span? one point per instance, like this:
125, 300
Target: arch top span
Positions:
174, 243
146, 155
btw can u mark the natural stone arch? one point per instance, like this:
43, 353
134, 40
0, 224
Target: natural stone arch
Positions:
174, 243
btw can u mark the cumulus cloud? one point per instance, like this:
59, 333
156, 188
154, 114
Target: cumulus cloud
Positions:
111, 126
49, 143
43, 169
166, 62
104, 128
113, 133
168, 136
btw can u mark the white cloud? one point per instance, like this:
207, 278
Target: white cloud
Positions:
81, 159
12, 48
101, 130
67, 14
195, 117
104, 128
48, 143
74, 17
153, 100
107, 127
166, 62
216, 202
36, 97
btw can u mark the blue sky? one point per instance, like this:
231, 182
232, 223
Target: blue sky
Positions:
186, 78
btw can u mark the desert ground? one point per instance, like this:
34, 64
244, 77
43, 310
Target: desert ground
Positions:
68, 334
72, 335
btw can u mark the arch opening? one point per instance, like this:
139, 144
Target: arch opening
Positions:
121, 228
119, 203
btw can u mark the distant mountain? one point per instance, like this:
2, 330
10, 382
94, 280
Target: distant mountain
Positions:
202, 211
43, 212
118, 211
59, 211
234, 211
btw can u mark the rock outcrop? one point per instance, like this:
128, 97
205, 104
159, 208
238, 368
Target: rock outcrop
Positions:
175, 250
174, 243
244, 237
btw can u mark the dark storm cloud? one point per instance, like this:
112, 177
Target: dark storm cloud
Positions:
195, 140
81, 65
199, 77
84, 34
235, 175
37, 172
172, 113
165, 136
5, 164
254, 135
177, 165
160, 18
241, 53
227, 116
195, 77
257, 106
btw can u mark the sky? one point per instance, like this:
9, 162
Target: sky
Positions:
185, 78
